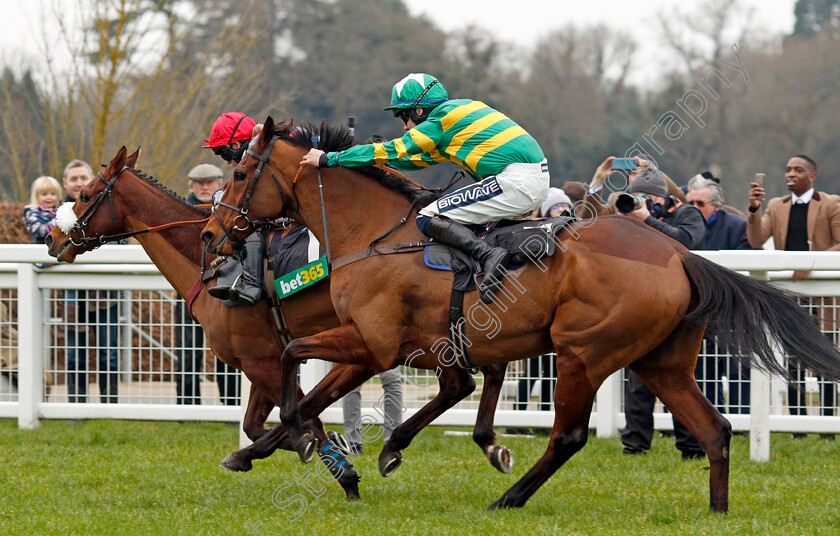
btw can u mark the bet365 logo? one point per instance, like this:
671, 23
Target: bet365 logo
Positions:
301, 278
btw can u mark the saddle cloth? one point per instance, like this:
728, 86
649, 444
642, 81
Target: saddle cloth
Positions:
295, 261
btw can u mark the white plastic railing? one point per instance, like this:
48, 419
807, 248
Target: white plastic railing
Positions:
129, 268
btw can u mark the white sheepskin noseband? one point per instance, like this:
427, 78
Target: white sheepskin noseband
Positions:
65, 218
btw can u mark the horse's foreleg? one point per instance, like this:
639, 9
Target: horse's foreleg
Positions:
310, 407
259, 407
340, 345
265, 440
573, 400
263, 447
483, 434
339, 381
455, 385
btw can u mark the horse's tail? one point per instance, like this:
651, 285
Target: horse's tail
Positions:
747, 315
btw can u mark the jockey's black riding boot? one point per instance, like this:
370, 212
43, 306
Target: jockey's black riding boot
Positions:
246, 285
492, 259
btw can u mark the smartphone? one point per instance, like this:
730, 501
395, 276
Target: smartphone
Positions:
759, 178
624, 163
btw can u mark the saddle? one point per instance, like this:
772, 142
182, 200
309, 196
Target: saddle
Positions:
525, 241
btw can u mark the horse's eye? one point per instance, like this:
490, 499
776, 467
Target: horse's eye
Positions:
85, 198
238, 176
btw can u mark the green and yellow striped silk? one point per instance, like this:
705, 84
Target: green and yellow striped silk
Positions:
469, 133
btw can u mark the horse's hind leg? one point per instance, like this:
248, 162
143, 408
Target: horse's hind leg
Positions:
483, 434
669, 373
573, 400
455, 385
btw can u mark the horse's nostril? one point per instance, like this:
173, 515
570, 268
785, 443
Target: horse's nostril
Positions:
207, 237
48, 241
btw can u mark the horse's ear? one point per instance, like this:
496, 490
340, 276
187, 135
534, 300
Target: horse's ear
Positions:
118, 162
267, 131
131, 161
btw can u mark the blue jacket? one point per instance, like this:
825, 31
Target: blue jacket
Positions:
725, 231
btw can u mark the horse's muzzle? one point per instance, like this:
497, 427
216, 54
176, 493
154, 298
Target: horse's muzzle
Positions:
209, 239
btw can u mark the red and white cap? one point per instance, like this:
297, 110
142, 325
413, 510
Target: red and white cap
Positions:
230, 127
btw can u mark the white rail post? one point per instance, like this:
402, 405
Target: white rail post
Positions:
609, 406
125, 320
245, 390
30, 347
312, 372
759, 406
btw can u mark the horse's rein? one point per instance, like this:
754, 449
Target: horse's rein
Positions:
104, 239
371, 250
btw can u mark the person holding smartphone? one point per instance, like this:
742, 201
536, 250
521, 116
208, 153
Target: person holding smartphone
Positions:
803, 220
618, 172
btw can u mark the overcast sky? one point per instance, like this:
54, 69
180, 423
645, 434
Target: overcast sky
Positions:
519, 21
532, 19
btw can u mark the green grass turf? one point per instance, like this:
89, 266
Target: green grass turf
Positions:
149, 478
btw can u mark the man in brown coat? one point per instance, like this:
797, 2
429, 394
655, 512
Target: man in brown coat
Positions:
804, 220
815, 227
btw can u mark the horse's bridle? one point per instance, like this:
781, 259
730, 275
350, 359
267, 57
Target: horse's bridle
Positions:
86, 216
242, 212
100, 239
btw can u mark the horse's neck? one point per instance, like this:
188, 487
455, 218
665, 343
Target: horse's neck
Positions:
175, 251
358, 209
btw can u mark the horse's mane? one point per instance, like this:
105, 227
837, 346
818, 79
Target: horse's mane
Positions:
332, 138
159, 185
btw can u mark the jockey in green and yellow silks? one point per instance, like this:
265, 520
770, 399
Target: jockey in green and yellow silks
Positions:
507, 162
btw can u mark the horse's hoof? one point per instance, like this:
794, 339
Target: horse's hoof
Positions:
351, 487
501, 458
388, 462
504, 502
339, 441
232, 463
306, 448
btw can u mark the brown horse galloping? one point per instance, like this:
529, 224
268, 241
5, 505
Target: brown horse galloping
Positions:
243, 337
616, 294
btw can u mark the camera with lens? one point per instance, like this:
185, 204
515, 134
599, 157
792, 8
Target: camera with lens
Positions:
627, 203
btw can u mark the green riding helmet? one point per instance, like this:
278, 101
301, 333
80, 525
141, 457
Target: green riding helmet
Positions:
406, 92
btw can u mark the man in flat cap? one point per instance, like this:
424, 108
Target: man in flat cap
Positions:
204, 180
